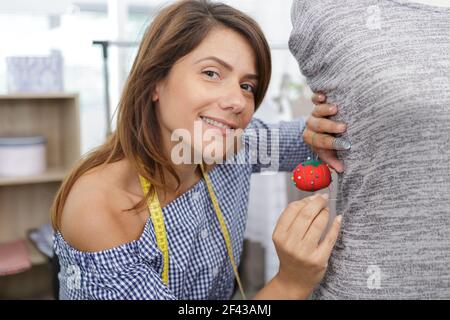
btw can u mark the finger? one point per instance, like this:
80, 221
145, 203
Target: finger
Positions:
324, 110
330, 158
291, 212
326, 246
322, 125
306, 216
318, 98
316, 229
318, 140
289, 215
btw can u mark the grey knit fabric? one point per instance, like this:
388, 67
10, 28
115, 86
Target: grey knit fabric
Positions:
386, 64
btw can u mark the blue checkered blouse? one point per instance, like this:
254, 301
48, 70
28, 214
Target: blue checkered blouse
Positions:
199, 265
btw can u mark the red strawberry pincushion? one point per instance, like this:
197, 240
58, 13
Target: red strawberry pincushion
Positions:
312, 175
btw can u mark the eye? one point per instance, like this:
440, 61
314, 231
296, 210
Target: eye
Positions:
248, 87
211, 74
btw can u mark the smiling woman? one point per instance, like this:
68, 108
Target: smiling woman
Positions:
200, 64
169, 88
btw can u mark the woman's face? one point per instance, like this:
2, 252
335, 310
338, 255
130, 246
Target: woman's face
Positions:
209, 92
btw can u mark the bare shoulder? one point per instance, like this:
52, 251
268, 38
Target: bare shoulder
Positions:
93, 218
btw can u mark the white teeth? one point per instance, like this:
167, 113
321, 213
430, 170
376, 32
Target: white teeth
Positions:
215, 123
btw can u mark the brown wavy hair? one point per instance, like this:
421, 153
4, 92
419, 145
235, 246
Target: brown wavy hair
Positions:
176, 31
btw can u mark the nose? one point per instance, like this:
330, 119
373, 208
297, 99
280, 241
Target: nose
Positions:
233, 99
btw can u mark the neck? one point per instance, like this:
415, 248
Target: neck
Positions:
187, 173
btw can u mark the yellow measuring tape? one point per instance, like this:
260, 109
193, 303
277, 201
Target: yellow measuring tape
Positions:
156, 215
160, 228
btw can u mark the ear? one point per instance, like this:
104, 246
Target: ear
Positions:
155, 96
157, 91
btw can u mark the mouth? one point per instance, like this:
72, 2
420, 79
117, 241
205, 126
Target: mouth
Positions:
219, 123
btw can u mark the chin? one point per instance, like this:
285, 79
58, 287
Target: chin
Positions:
215, 153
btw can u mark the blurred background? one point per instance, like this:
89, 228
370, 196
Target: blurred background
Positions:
62, 67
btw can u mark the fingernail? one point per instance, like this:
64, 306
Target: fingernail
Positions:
341, 144
332, 109
339, 218
325, 196
342, 127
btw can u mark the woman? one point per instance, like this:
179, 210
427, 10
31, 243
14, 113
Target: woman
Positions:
199, 64
386, 64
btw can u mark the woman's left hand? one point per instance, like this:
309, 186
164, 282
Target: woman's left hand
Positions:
319, 131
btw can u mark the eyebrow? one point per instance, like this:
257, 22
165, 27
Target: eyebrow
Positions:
228, 66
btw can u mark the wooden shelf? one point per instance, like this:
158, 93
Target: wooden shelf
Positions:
25, 202
51, 175
37, 96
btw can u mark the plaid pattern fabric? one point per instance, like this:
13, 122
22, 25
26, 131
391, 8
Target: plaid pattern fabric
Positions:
199, 264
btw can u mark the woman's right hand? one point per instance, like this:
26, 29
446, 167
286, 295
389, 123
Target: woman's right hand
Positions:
303, 258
